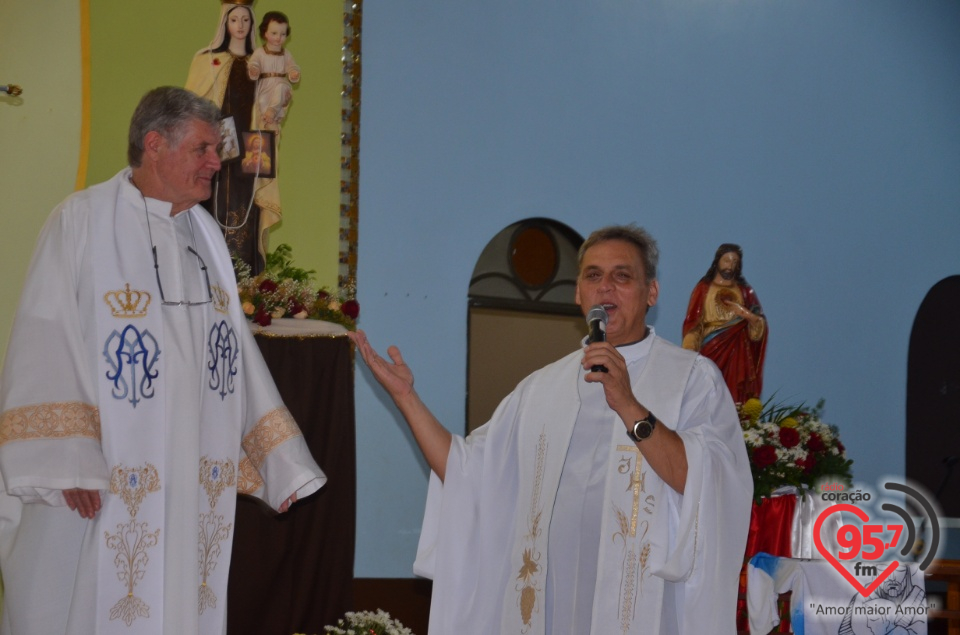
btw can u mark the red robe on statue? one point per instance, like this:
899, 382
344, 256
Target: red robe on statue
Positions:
730, 346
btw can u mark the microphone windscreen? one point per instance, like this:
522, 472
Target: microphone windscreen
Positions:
597, 313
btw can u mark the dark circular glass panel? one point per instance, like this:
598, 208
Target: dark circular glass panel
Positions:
533, 256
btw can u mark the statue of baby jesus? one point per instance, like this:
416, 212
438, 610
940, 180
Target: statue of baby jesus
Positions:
275, 69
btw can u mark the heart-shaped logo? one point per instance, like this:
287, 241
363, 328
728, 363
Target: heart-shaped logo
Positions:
862, 515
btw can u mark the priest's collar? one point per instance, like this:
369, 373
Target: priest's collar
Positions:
637, 350
131, 194
634, 350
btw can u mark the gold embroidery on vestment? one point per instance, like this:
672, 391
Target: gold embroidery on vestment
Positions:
248, 478
528, 584
633, 564
273, 429
132, 484
131, 543
636, 482
57, 420
221, 299
127, 303
213, 531
215, 476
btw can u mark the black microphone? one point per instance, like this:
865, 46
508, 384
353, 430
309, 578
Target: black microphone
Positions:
597, 327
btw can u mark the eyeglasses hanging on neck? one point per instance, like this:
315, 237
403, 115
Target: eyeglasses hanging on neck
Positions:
156, 263
206, 277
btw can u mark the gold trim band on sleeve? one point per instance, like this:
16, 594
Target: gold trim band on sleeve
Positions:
50, 421
273, 429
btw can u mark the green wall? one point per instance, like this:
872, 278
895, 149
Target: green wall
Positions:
136, 46
40, 131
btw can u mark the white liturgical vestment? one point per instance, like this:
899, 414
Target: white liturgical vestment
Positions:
168, 411
549, 520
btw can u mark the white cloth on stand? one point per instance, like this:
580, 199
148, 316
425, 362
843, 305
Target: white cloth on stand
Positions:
822, 602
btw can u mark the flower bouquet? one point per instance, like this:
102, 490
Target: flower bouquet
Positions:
283, 290
790, 445
368, 623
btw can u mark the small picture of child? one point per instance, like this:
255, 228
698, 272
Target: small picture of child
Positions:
274, 69
257, 160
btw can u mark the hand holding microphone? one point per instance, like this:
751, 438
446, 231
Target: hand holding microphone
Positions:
597, 326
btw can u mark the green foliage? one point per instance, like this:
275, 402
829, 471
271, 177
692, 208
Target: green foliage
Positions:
279, 265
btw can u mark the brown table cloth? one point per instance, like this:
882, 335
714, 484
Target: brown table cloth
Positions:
293, 572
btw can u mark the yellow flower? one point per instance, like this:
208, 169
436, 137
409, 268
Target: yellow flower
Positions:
752, 408
248, 308
789, 422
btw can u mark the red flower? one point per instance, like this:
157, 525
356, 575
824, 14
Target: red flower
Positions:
789, 437
267, 286
840, 447
322, 295
816, 443
295, 307
808, 464
764, 455
263, 318
351, 308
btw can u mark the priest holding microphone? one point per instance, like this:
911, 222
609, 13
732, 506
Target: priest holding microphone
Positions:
610, 491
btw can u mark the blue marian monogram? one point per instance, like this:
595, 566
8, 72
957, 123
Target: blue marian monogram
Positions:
224, 349
132, 356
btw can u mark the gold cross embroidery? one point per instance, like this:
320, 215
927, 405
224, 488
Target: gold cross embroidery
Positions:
636, 481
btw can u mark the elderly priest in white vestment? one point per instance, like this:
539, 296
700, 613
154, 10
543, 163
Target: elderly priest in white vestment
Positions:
135, 403
596, 500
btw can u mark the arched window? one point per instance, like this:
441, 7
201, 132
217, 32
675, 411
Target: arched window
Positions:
521, 310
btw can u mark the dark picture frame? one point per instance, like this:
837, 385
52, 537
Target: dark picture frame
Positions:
259, 154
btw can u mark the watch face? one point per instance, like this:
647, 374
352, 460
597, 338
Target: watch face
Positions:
643, 428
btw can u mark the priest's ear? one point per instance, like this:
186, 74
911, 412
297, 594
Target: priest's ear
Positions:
153, 143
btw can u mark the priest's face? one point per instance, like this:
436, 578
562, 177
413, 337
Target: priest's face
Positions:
187, 163
612, 274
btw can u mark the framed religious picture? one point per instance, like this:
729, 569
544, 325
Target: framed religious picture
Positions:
229, 142
259, 153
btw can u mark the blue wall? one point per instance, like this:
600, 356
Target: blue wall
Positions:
823, 136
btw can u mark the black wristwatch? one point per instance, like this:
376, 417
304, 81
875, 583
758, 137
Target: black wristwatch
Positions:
642, 428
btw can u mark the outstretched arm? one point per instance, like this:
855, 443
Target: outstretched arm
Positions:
397, 379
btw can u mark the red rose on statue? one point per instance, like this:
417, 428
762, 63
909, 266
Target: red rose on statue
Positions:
351, 308
789, 437
764, 455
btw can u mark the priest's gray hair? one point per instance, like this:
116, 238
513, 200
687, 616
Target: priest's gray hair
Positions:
636, 236
166, 110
